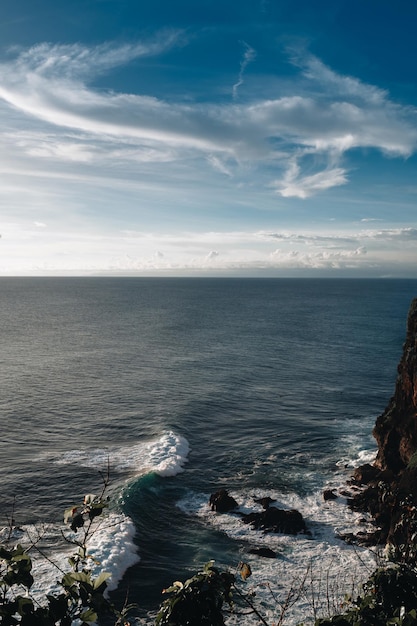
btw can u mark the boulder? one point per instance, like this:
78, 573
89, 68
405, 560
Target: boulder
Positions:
265, 502
329, 494
364, 474
274, 520
222, 502
266, 553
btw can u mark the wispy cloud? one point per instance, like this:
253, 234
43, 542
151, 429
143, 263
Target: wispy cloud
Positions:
295, 185
300, 139
79, 62
248, 56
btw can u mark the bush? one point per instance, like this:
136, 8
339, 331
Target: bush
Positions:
199, 601
389, 597
82, 599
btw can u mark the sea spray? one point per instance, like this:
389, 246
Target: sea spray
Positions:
326, 567
164, 455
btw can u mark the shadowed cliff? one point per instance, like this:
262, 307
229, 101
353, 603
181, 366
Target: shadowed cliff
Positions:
396, 429
390, 485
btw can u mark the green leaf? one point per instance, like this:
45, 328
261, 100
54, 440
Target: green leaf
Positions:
77, 522
24, 605
101, 578
81, 577
95, 511
5, 554
24, 562
57, 606
89, 616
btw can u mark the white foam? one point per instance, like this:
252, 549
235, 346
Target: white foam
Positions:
165, 456
364, 456
168, 454
111, 547
331, 567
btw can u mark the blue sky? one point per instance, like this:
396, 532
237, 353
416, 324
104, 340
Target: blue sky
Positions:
258, 138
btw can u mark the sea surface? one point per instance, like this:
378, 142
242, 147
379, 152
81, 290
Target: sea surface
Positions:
264, 387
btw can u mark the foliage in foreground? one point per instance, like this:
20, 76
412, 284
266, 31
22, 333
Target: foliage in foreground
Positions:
82, 598
389, 598
199, 600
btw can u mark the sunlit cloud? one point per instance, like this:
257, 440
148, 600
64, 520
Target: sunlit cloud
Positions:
294, 185
71, 152
402, 235
52, 84
41, 250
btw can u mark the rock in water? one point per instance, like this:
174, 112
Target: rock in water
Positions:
222, 502
277, 521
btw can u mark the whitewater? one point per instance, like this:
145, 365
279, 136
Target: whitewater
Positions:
180, 387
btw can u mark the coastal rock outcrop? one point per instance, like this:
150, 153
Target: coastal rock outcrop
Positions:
389, 491
273, 520
396, 429
222, 502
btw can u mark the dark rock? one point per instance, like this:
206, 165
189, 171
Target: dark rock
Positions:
289, 522
221, 502
391, 493
363, 539
329, 494
267, 553
396, 429
345, 493
265, 502
365, 474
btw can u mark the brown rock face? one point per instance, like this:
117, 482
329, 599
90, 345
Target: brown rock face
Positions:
391, 493
396, 429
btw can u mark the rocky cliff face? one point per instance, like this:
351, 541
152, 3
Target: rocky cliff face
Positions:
390, 494
396, 429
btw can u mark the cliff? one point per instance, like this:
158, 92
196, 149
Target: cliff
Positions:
390, 485
396, 429
389, 493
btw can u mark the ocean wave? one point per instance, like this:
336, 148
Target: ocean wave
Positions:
165, 455
111, 548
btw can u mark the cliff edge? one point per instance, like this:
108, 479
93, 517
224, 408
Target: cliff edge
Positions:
389, 491
396, 429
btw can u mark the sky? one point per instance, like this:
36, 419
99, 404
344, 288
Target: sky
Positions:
219, 138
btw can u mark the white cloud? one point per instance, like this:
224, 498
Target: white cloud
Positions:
51, 84
248, 56
125, 169
340, 85
318, 260
401, 235
306, 186
219, 165
43, 250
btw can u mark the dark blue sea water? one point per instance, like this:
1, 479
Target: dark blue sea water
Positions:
260, 386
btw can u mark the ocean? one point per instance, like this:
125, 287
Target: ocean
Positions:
184, 386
